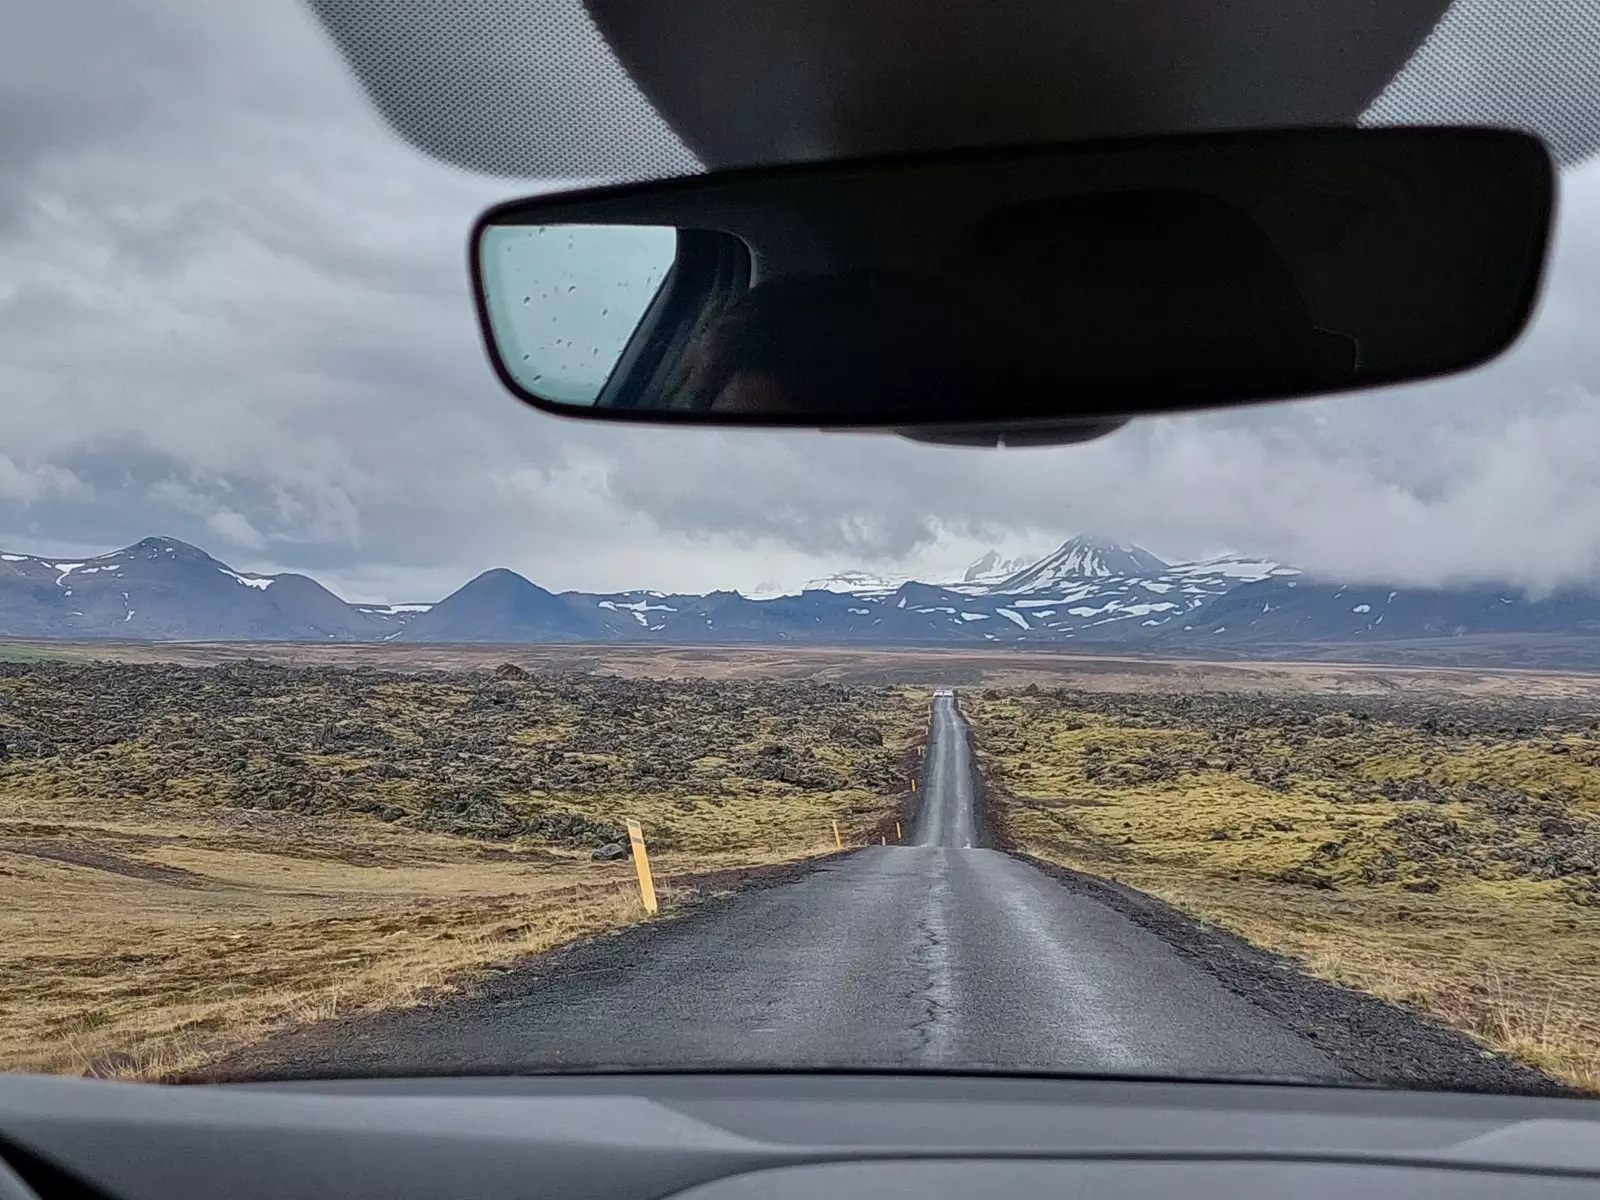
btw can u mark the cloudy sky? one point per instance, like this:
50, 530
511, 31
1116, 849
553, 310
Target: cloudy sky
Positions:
233, 309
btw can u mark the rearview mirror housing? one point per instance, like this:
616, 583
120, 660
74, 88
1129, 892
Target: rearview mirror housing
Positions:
1062, 288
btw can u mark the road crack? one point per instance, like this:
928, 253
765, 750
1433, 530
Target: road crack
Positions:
933, 996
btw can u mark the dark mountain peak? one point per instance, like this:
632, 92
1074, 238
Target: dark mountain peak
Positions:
161, 587
500, 605
163, 547
499, 579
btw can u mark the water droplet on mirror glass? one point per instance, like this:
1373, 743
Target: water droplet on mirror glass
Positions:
527, 299
605, 312
571, 287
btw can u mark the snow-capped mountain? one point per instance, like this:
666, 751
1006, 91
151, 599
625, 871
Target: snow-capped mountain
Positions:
1089, 592
1078, 559
1093, 589
854, 583
161, 588
1286, 611
990, 569
980, 575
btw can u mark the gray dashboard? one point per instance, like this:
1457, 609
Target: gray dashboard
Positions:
787, 1136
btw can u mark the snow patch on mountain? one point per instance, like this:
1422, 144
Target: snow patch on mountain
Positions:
259, 582
1233, 566
855, 583
991, 568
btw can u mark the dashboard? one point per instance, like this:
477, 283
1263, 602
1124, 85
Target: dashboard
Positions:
799, 1136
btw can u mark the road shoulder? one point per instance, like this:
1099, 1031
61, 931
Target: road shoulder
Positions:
1367, 1036
356, 1044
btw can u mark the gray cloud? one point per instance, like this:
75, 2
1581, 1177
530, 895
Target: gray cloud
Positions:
235, 311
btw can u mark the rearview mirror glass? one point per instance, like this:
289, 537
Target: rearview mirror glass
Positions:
564, 300
1074, 284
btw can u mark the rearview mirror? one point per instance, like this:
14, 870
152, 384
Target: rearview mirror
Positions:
1071, 286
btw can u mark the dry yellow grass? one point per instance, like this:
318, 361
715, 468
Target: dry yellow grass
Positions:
147, 927
1426, 903
103, 970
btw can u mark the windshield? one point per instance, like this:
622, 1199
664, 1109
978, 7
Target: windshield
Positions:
356, 719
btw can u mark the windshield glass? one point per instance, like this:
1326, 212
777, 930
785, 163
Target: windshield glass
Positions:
356, 719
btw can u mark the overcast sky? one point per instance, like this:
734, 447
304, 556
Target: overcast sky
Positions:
233, 309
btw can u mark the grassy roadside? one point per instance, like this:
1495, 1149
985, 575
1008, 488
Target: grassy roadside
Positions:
1439, 854
192, 859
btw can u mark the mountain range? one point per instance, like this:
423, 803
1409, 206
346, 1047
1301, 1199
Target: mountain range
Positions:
1088, 592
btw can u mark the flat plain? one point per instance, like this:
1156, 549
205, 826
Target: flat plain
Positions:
911, 665
201, 845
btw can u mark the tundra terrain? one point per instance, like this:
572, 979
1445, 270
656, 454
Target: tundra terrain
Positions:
1438, 850
192, 857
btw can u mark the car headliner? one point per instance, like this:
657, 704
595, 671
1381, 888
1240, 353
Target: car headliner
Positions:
629, 89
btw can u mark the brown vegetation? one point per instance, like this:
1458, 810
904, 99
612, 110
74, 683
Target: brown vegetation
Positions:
927, 666
1438, 851
191, 858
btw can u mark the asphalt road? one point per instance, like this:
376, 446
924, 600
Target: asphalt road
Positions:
946, 815
922, 955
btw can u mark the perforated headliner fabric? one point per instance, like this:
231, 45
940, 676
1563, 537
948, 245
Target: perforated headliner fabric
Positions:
1528, 64
507, 87
533, 88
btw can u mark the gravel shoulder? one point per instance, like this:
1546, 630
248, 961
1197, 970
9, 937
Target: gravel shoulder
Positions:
1372, 1039
363, 1043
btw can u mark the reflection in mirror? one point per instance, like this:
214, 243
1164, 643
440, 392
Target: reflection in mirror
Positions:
565, 300
825, 345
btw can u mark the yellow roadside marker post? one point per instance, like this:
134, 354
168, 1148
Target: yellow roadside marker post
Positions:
897, 834
882, 841
641, 863
913, 785
836, 840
